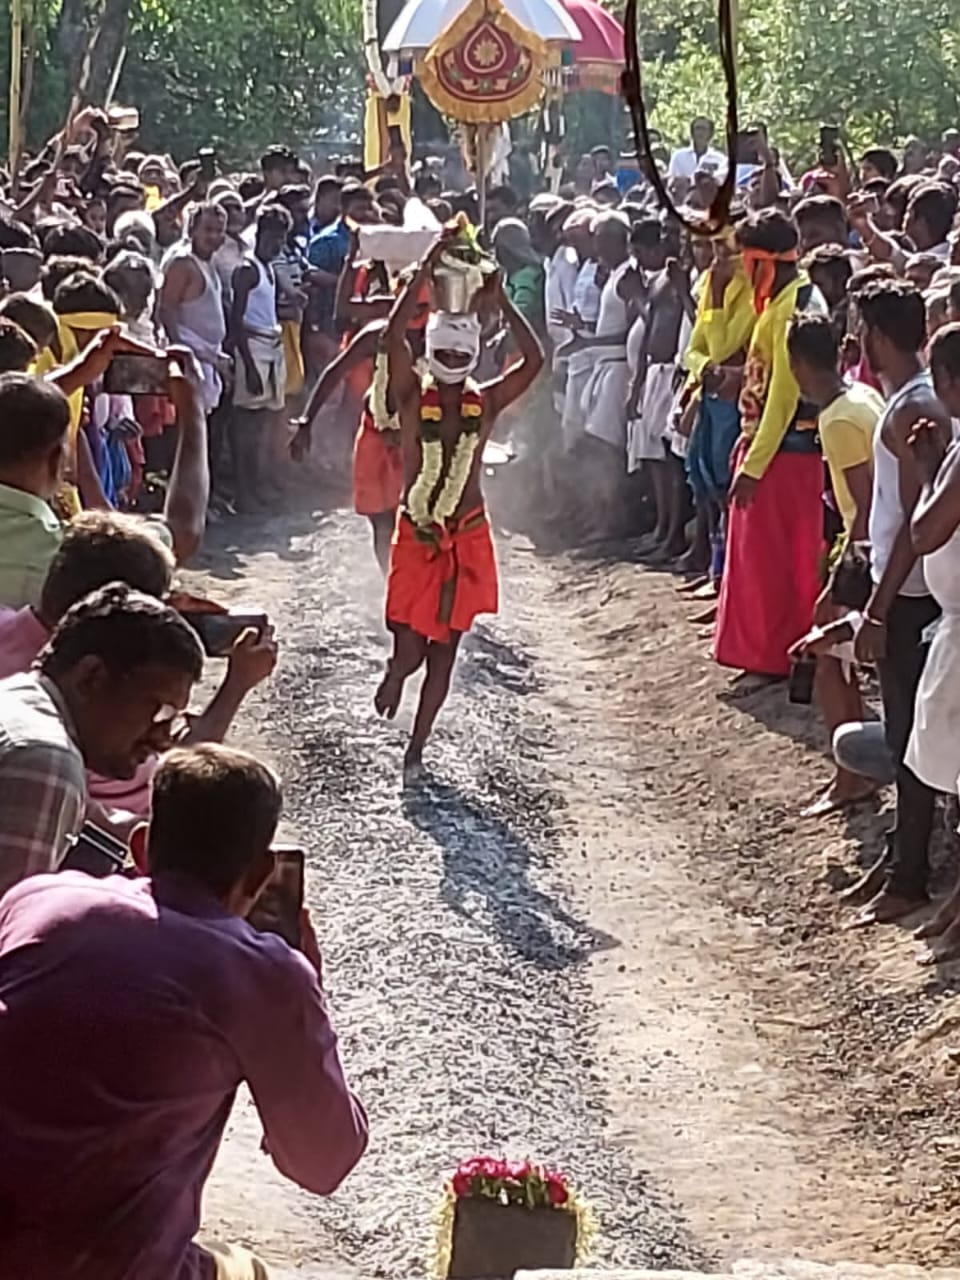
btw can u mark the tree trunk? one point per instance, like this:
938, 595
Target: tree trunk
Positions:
114, 27
103, 40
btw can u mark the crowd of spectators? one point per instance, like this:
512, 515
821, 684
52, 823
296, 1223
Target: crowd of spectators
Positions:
771, 406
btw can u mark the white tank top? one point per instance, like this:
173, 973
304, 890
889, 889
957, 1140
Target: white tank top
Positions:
635, 340
886, 509
942, 567
203, 315
612, 318
261, 313
586, 295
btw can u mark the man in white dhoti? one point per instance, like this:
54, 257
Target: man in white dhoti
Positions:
601, 440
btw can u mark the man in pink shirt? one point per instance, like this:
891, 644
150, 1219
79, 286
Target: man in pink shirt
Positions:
130, 1011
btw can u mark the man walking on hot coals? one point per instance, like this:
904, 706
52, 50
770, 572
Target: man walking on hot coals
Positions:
443, 571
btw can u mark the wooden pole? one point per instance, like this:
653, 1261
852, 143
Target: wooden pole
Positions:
115, 78
16, 71
481, 154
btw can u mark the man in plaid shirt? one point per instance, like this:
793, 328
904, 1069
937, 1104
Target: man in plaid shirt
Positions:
107, 692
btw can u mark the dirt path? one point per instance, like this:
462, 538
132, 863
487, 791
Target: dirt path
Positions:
572, 944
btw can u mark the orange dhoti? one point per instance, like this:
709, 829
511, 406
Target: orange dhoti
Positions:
377, 470
439, 584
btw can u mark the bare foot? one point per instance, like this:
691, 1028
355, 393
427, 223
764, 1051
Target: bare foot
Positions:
704, 619
886, 908
869, 884
689, 563
413, 769
947, 949
748, 682
947, 914
387, 698
838, 797
685, 588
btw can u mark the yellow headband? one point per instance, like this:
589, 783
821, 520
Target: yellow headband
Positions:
90, 320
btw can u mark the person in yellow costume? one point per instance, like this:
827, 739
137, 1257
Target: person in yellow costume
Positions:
76, 330
771, 575
714, 358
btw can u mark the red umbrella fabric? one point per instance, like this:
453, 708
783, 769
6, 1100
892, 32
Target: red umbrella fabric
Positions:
601, 34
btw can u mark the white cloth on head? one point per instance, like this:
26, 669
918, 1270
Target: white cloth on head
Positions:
452, 331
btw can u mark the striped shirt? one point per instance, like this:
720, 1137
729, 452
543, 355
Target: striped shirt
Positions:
43, 789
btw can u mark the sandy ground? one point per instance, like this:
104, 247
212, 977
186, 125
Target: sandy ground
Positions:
602, 937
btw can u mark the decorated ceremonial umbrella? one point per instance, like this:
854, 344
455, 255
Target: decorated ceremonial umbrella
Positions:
596, 61
421, 23
482, 70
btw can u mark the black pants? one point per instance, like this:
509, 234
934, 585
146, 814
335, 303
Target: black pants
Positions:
246, 430
900, 671
217, 426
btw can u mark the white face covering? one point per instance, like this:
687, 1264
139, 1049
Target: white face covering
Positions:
452, 331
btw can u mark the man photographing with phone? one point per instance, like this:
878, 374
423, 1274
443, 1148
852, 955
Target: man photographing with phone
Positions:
165, 1000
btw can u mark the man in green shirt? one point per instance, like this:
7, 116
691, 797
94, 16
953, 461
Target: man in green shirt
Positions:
35, 416
522, 270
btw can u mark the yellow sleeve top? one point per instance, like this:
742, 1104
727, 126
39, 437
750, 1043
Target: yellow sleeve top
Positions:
720, 332
770, 395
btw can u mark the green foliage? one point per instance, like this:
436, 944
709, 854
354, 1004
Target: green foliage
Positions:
244, 73
236, 73
882, 71
241, 74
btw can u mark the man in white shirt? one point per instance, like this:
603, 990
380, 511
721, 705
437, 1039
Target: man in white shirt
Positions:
685, 161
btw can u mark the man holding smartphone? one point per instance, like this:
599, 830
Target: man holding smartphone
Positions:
104, 1163
105, 694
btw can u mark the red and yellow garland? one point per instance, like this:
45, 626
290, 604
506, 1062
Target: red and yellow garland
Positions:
425, 510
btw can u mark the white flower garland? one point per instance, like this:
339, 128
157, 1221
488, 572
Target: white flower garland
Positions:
383, 419
418, 499
448, 499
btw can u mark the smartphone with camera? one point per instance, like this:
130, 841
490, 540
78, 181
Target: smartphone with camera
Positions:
829, 145
278, 908
208, 163
95, 852
219, 632
748, 146
803, 672
137, 376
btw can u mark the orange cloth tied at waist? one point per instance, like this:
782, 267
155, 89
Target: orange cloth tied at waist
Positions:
439, 585
377, 469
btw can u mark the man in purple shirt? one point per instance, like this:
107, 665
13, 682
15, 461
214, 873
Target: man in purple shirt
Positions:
130, 1011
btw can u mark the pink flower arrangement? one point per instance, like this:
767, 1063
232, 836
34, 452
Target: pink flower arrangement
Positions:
519, 1182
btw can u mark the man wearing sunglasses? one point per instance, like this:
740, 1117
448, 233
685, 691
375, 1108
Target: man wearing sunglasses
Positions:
105, 694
